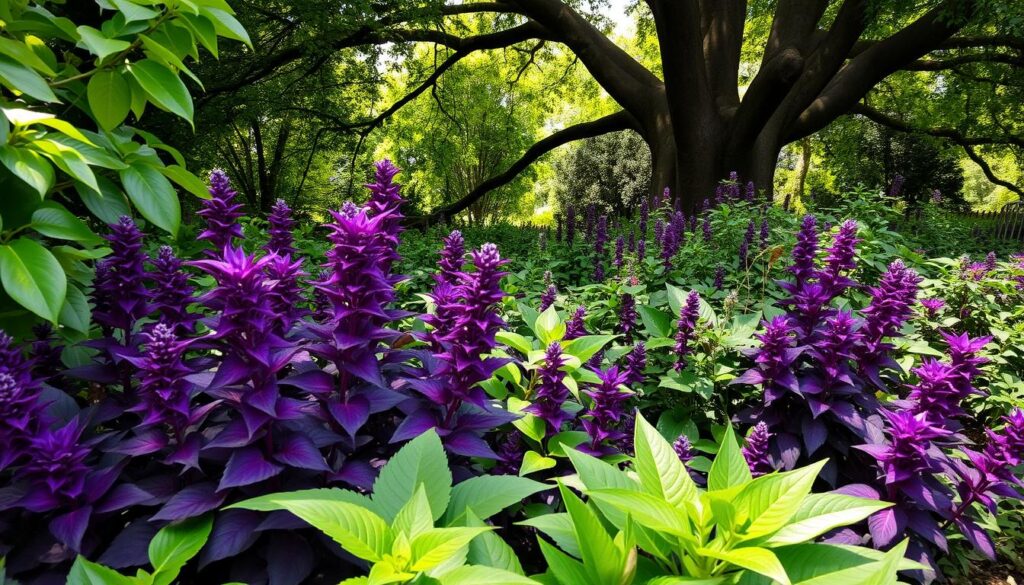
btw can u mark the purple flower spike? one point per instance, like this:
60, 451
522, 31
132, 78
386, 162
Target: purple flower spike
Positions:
719, 277
386, 202
890, 306
20, 408
840, 260
281, 223
603, 418
756, 451
773, 360
600, 239
683, 449
805, 251
286, 291
171, 293
163, 389
765, 233
907, 456
576, 327
645, 212
620, 247
627, 317
687, 325
706, 226
990, 261
453, 258
55, 469
221, 213
933, 306
570, 226
636, 363
119, 289
551, 390
748, 239
548, 298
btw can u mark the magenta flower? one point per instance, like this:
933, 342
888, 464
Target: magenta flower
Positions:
172, 293
119, 289
933, 306
908, 454
602, 419
576, 326
805, 251
453, 257
756, 451
840, 259
548, 298
551, 392
164, 393
55, 469
221, 213
627, 317
636, 363
280, 241
687, 325
773, 360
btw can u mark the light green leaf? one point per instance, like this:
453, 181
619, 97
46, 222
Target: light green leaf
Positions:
187, 180
657, 323
226, 25
68, 160
729, 468
167, 57
661, 472
601, 559
153, 195
478, 575
84, 572
649, 511
514, 340
20, 78
21, 53
414, 517
133, 12
759, 560
549, 326
585, 347
175, 544
279, 501
110, 98
769, 501
421, 460
33, 277
490, 550
487, 495
75, 313
534, 462
820, 513
559, 528
53, 220
164, 88
437, 545
355, 528
108, 204
98, 44
29, 166
566, 569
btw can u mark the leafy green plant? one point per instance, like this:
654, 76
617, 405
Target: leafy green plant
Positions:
416, 526
172, 547
739, 530
65, 145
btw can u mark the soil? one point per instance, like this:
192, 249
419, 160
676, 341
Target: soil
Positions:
993, 574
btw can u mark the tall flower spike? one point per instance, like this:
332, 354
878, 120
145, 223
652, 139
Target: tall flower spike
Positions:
805, 251
627, 317
221, 213
171, 293
719, 277
907, 454
891, 304
119, 287
840, 259
933, 306
620, 247
773, 360
600, 239
163, 389
765, 233
21, 412
748, 240
286, 291
686, 325
756, 451
602, 419
570, 226
636, 363
576, 327
281, 240
645, 212
55, 469
706, 227
386, 201
551, 391
683, 449
453, 257
548, 298
990, 261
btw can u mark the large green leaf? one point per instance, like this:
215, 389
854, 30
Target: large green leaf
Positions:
75, 313
759, 560
186, 180
601, 559
355, 528
20, 78
489, 549
421, 460
768, 502
820, 513
175, 544
226, 25
164, 87
585, 347
153, 195
133, 12
414, 517
279, 501
54, 221
99, 44
108, 204
29, 166
479, 575
487, 495
729, 468
566, 569
85, 572
68, 160
648, 511
661, 472
33, 277
437, 545
110, 98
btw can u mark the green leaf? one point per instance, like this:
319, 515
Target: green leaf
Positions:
476, 575
601, 559
21, 53
566, 569
53, 220
559, 528
771, 500
33, 277
357, 529
110, 98
167, 57
414, 517
759, 560
489, 494
133, 12
187, 180
649, 511
549, 326
490, 550
99, 44
534, 462
108, 204
68, 160
22, 79
658, 323
274, 502
75, 313
153, 195
729, 468
676, 298
226, 25
84, 572
661, 472
825, 564
421, 460
175, 544
820, 513
514, 340
30, 167
585, 347
164, 88
438, 545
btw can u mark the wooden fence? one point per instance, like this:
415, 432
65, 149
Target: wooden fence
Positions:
1005, 224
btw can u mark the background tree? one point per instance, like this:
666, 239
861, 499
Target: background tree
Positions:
613, 171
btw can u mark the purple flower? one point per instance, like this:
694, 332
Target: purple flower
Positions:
280, 231
20, 408
756, 451
890, 306
386, 202
570, 226
510, 454
171, 293
600, 239
576, 327
55, 469
631, 245
551, 392
641, 248
627, 317
683, 449
934, 394
164, 392
773, 360
932, 306
453, 257
751, 193
840, 259
669, 246
805, 251
602, 419
659, 231
221, 213
687, 325
620, 246
990, 261
285, 290
645, 212
748, 239
706, 226
548, 298
908, 453
636, 363
719, 277
765, 233
119, 289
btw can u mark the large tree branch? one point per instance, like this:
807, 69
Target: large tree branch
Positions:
958, 60
952, 134
991, 176
620, 120
973, 42
876, 63
723, 43
793, 26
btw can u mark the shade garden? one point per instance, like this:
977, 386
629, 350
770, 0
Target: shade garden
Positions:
733, 396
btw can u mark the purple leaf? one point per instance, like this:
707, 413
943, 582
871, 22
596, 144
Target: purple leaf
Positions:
315, 382
815, 433
414, 425
187, 453
289, 559
859, 490
469, 444
351, 415
191, 501
130, 547
233, 532
977, 536
885, 525
70, 527
298, 451
142, 443
245, 467
124, 496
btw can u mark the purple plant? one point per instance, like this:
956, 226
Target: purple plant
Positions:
570, 226
280, 239
221, 213
603, 419
645, 213
706, 227
575, 326
119, 289
164, 391
933, 306
548, 298
636, 363
748, 240
627, 317
765, 234
20, 404
600, 239
453, 257
171, 294
620, 246
719, 277
683, 449
686, 327
756, 451
551, 392
990, 261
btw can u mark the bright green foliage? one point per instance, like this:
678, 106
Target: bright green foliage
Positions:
739, 530
54, 71
395, 531
172, 547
